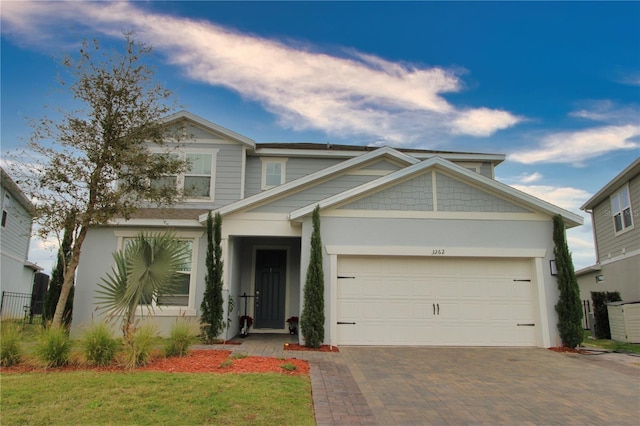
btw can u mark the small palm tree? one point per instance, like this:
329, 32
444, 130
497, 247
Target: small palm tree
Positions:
147, 267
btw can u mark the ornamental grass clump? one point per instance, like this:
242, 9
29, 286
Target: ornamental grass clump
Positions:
140, 349
10, 350
98, 345
181, 337
54, 347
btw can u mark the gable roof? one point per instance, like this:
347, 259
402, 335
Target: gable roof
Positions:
315, 177
15, 191
624, 176
508, 192
212, 127
347, 151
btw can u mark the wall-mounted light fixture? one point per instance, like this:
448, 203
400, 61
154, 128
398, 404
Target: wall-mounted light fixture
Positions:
553, 267
599, 278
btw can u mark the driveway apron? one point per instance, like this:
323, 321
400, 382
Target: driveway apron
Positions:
509, 386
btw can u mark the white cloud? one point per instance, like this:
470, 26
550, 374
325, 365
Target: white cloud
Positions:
352, 94
566, 197
530, 178
575, 147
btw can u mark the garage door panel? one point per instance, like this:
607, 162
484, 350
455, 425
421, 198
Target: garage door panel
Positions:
436, 301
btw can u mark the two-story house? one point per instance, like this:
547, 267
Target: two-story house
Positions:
16, 272
614, 213
420, 246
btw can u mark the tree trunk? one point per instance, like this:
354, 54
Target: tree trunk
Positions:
69, 278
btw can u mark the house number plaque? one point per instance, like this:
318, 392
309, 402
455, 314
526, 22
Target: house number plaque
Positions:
437, 252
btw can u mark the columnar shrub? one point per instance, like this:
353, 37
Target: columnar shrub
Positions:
569, 307
312, 318
54, 347
98, 345
212, 318
10, 351
600, 311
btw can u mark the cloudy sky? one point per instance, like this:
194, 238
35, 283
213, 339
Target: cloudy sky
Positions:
554, 86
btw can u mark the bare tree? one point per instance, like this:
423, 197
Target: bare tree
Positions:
95, 162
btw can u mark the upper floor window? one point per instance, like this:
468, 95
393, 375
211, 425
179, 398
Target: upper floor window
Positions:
197, 183
621, 210
273, 172
6, 202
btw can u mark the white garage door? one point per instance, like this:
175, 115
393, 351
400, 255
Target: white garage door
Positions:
435, 301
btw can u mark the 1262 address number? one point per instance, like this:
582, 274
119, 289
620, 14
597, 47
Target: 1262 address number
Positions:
438, 252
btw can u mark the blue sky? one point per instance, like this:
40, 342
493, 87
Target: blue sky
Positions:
554, 86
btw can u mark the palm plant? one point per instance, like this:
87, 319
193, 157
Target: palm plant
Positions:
147, 267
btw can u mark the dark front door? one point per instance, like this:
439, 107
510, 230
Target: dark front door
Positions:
271, 267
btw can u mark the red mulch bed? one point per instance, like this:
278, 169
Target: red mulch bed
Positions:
565, 349
297, 347
197, 361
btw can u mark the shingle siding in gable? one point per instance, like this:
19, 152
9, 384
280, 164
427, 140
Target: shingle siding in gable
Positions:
456, 196
413, 195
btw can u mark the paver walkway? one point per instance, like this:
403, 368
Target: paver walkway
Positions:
462, 386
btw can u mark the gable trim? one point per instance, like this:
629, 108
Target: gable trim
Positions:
214, 128
482, 182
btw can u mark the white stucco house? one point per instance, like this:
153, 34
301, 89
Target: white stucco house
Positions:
420, 247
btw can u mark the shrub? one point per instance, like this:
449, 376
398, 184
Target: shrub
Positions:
289, 367
98, 345
181, 337
54, 347
10, 351
600, 313
140, 351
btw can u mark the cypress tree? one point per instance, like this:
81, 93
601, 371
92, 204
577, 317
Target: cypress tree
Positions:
212, 310
569, 307
57, 278
312, 318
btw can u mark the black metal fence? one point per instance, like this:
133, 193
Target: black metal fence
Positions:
22, 307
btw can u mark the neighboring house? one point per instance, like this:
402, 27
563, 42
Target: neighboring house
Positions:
615, 214
420, 247
17, 272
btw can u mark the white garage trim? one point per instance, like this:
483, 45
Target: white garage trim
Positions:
440, 251
536, 257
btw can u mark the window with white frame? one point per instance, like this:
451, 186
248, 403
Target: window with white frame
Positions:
621, 210
197, 182
273, 172
183, 294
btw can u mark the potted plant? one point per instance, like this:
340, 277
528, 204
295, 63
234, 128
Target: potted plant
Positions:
293, 325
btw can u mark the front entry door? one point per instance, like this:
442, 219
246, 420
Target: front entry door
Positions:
271, 266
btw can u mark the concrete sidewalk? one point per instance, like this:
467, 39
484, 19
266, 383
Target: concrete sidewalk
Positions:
461, 386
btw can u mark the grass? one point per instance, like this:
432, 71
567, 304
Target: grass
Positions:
87, 397
610, 345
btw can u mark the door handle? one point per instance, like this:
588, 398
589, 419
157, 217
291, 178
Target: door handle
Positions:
438, 305
434, 309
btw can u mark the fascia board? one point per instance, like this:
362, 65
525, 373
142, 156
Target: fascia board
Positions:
211, 126
624, 176
305, 180
572, 219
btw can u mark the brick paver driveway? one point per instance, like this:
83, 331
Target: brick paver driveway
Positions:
427, 385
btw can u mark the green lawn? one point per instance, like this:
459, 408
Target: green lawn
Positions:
612, 345
89, 397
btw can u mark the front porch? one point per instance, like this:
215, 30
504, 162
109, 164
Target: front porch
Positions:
263, 278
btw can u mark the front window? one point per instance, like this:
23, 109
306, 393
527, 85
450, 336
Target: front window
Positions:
182, 297
621, 210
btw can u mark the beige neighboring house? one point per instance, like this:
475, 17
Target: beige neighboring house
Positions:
615, 213
16, 272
